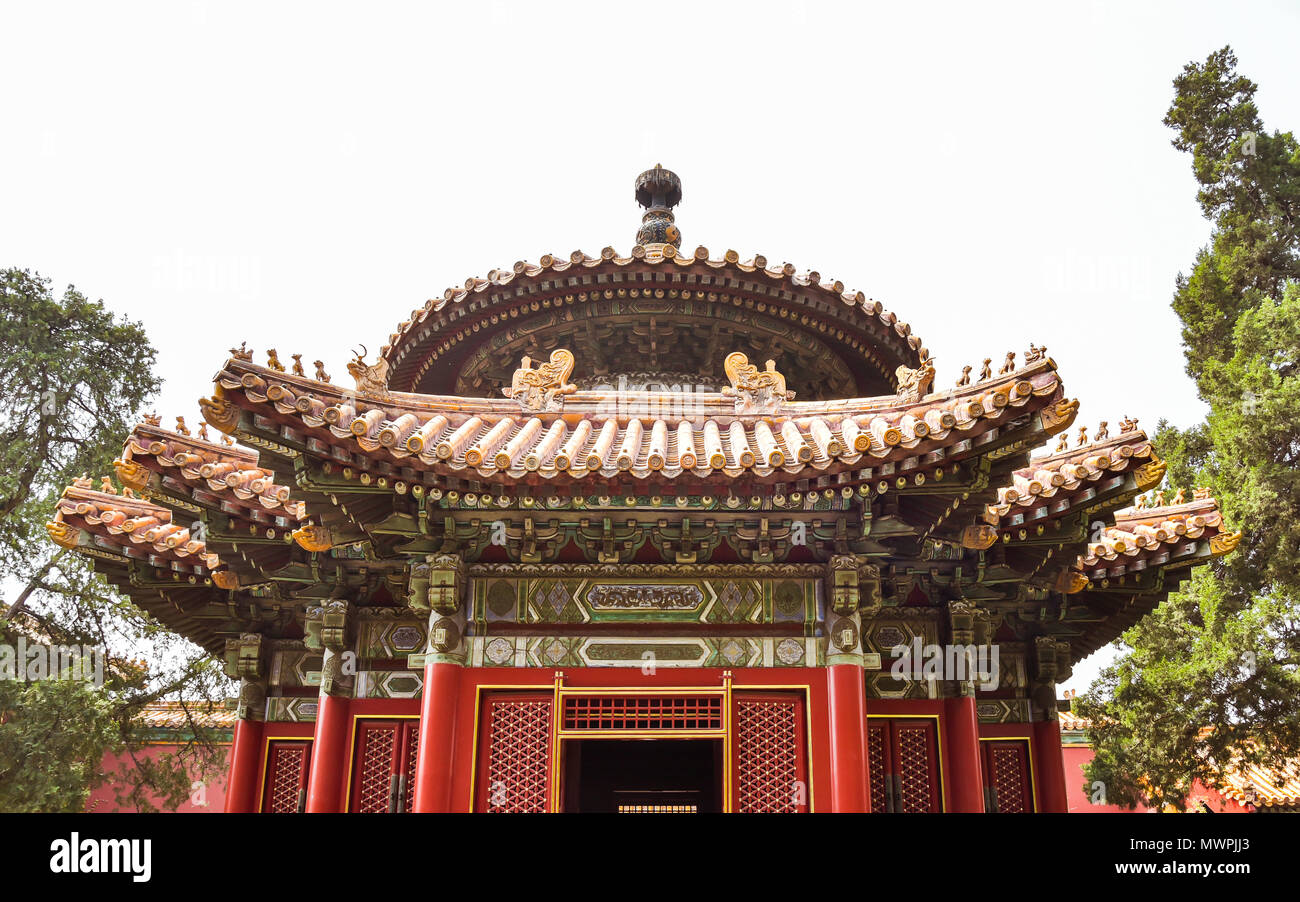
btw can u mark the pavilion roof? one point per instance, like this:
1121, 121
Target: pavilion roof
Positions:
804, 302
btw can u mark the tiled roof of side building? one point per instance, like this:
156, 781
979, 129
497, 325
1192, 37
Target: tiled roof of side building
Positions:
179, 715
1267, 787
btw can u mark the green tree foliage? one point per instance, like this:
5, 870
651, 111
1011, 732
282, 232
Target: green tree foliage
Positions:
1211, 674
75, 378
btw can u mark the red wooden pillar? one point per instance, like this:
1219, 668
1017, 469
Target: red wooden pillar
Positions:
846, 692
328, 755
966, 776
433, 766
245, 756
1050, 767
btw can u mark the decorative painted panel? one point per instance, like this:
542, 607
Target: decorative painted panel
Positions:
295, 668
390, 637
1002, 710
646, 593
587, 651
881, 636
389, 684
294, 709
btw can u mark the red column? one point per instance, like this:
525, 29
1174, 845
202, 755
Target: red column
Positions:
433, 766
329, 753
245, 756
1050, 767
966, 776
846, 692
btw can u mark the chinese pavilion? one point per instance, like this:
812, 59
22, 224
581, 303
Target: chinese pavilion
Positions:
643, 533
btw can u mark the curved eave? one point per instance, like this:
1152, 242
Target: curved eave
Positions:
1163, 536
1060, 484
87, 521
1139, 561
188, 471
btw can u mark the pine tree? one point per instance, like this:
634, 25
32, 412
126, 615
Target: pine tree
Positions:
1211, 675
74, 378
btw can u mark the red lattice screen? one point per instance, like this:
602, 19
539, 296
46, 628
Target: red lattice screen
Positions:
515, 745
877, 737
917, 774
903, 765
770, 769
383, 766
1006, 775
374, 768
637, 712
287, 765
412, 755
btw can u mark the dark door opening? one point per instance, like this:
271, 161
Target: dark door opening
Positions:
643, 776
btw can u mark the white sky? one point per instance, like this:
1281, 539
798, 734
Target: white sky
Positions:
303, 176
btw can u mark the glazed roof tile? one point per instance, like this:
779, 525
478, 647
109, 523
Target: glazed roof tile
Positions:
1273, 787
175, 716
642, 433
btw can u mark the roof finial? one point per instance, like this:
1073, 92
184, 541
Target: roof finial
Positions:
658, 190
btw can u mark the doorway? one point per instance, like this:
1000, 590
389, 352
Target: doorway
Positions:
642, 776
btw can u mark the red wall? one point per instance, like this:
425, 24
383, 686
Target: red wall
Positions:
1076, 756
104, 798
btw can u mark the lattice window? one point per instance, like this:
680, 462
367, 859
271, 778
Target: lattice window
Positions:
412, 755
375, 764
769, 759
902, 763
287, 764
668, 712
916, 770
516, 777
1006, 769
383, 766
877, 736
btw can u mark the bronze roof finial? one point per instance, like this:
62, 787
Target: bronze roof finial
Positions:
658, 190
